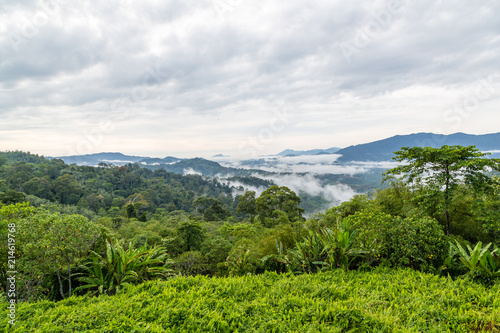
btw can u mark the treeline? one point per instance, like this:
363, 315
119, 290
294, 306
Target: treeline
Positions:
104, 190
140, 235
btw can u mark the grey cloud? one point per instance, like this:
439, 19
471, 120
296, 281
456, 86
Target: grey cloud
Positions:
91, 55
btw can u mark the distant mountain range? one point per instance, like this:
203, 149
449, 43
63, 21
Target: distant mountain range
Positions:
291, 152
318, 180
383, 150
377, 151
95, 159
172, 164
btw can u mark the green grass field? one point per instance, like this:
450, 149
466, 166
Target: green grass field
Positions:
380, 301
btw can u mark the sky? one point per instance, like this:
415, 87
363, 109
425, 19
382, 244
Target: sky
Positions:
242, 78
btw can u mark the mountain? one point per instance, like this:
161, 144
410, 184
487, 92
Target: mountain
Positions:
291, 152
172, 164
95, 159
197, 166
383, 150
377, 151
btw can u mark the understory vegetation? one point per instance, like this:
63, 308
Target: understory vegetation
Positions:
384, 300
120, 249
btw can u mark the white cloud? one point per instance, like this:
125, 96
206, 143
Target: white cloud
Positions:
310, 164
191, 171
310, 159
309, 184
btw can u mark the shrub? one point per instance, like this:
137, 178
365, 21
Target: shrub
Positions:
418, 243
384, 300
191, 263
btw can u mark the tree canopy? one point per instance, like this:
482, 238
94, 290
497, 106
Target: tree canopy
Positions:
443, 169
278, 199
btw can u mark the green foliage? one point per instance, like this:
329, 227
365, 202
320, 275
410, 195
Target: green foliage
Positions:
191, 234
347, 208
246, 204
67, 189
100, 188
490, 263
12, 197
278, 199
210, 208
379, 301
47, 243
192, 220
3, 160
119, 267
442, 169
242, 259
191, 263
339, 245
397, 200
309, 255
477, 260
371, 226
418, 243
215, 250
320, 249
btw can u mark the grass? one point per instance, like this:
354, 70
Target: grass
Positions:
380, 301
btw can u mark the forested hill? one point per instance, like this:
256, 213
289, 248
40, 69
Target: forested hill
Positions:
107, 158
198, 166
106, 189
171, 164
383, 150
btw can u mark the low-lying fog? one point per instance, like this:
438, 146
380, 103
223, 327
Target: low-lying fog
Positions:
304, 174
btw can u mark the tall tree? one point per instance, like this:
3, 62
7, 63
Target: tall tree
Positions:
442, 169
278, 199
67, 189
246, 204
191, 234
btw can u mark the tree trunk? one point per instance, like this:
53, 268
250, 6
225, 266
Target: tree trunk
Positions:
69, 277
447, 222
446, 200
59, 278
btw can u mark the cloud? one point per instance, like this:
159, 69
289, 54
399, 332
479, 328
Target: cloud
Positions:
240, 188
310, 164
191, 171
185, 78
299, 173
310, 159
309, 184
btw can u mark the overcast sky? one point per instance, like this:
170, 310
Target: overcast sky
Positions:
242, 78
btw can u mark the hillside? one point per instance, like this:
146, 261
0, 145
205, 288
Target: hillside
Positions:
198, 166
95, 159
383, 150
291, 152
380, 301
93, 189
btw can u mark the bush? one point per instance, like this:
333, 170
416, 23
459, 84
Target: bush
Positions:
191, 263
371, 226
215, 251
418, 243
